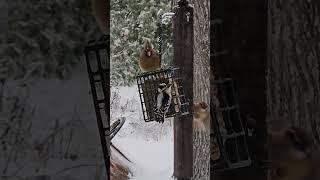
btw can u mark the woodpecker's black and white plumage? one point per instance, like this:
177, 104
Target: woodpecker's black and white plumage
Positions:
163, 101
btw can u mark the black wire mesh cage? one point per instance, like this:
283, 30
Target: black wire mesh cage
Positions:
228, 136
98, 67
148, 86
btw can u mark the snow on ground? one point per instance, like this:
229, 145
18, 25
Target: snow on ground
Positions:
60, 139
148, 145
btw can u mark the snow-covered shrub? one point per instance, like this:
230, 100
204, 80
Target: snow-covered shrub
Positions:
131, 21
46, 38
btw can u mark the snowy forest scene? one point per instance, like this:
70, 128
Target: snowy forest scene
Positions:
48, 128
148, 145
159, 90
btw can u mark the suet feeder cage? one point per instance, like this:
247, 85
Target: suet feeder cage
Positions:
97, 60
148, 88
228, 133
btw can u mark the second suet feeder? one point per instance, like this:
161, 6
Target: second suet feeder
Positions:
228, 136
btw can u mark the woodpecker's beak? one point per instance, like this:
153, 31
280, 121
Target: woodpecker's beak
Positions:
149, 53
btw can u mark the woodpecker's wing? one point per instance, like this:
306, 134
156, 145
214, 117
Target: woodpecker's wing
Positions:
165, 100
159, 100
157, 106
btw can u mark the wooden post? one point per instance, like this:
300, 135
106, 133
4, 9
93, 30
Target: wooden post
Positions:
183, 58
239, 39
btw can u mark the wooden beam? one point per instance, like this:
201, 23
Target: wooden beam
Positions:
183, 58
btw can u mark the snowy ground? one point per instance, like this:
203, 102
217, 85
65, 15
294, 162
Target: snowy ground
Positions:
52, 132
148, 145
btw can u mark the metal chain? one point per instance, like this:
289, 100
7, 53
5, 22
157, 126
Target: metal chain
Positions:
159, 37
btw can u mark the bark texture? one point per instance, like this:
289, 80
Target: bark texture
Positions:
293, 74
201, 86
201, 155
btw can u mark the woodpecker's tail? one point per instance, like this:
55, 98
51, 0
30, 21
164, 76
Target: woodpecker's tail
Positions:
159, 114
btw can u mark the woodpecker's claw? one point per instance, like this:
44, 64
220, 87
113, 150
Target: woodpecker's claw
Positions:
160, 121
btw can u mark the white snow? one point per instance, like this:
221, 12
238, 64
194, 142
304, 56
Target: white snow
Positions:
62, 141
64, 114
149, 145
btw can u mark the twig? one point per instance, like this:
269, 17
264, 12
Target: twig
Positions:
76, 166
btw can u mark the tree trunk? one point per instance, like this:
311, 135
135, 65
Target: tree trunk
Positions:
201, 87
183, 39
293, 79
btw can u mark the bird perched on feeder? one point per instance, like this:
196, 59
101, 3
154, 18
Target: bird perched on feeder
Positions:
149, 59
163, 101
201, 117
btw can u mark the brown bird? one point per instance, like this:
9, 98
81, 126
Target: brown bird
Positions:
201, 117
149, 59
292, 153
